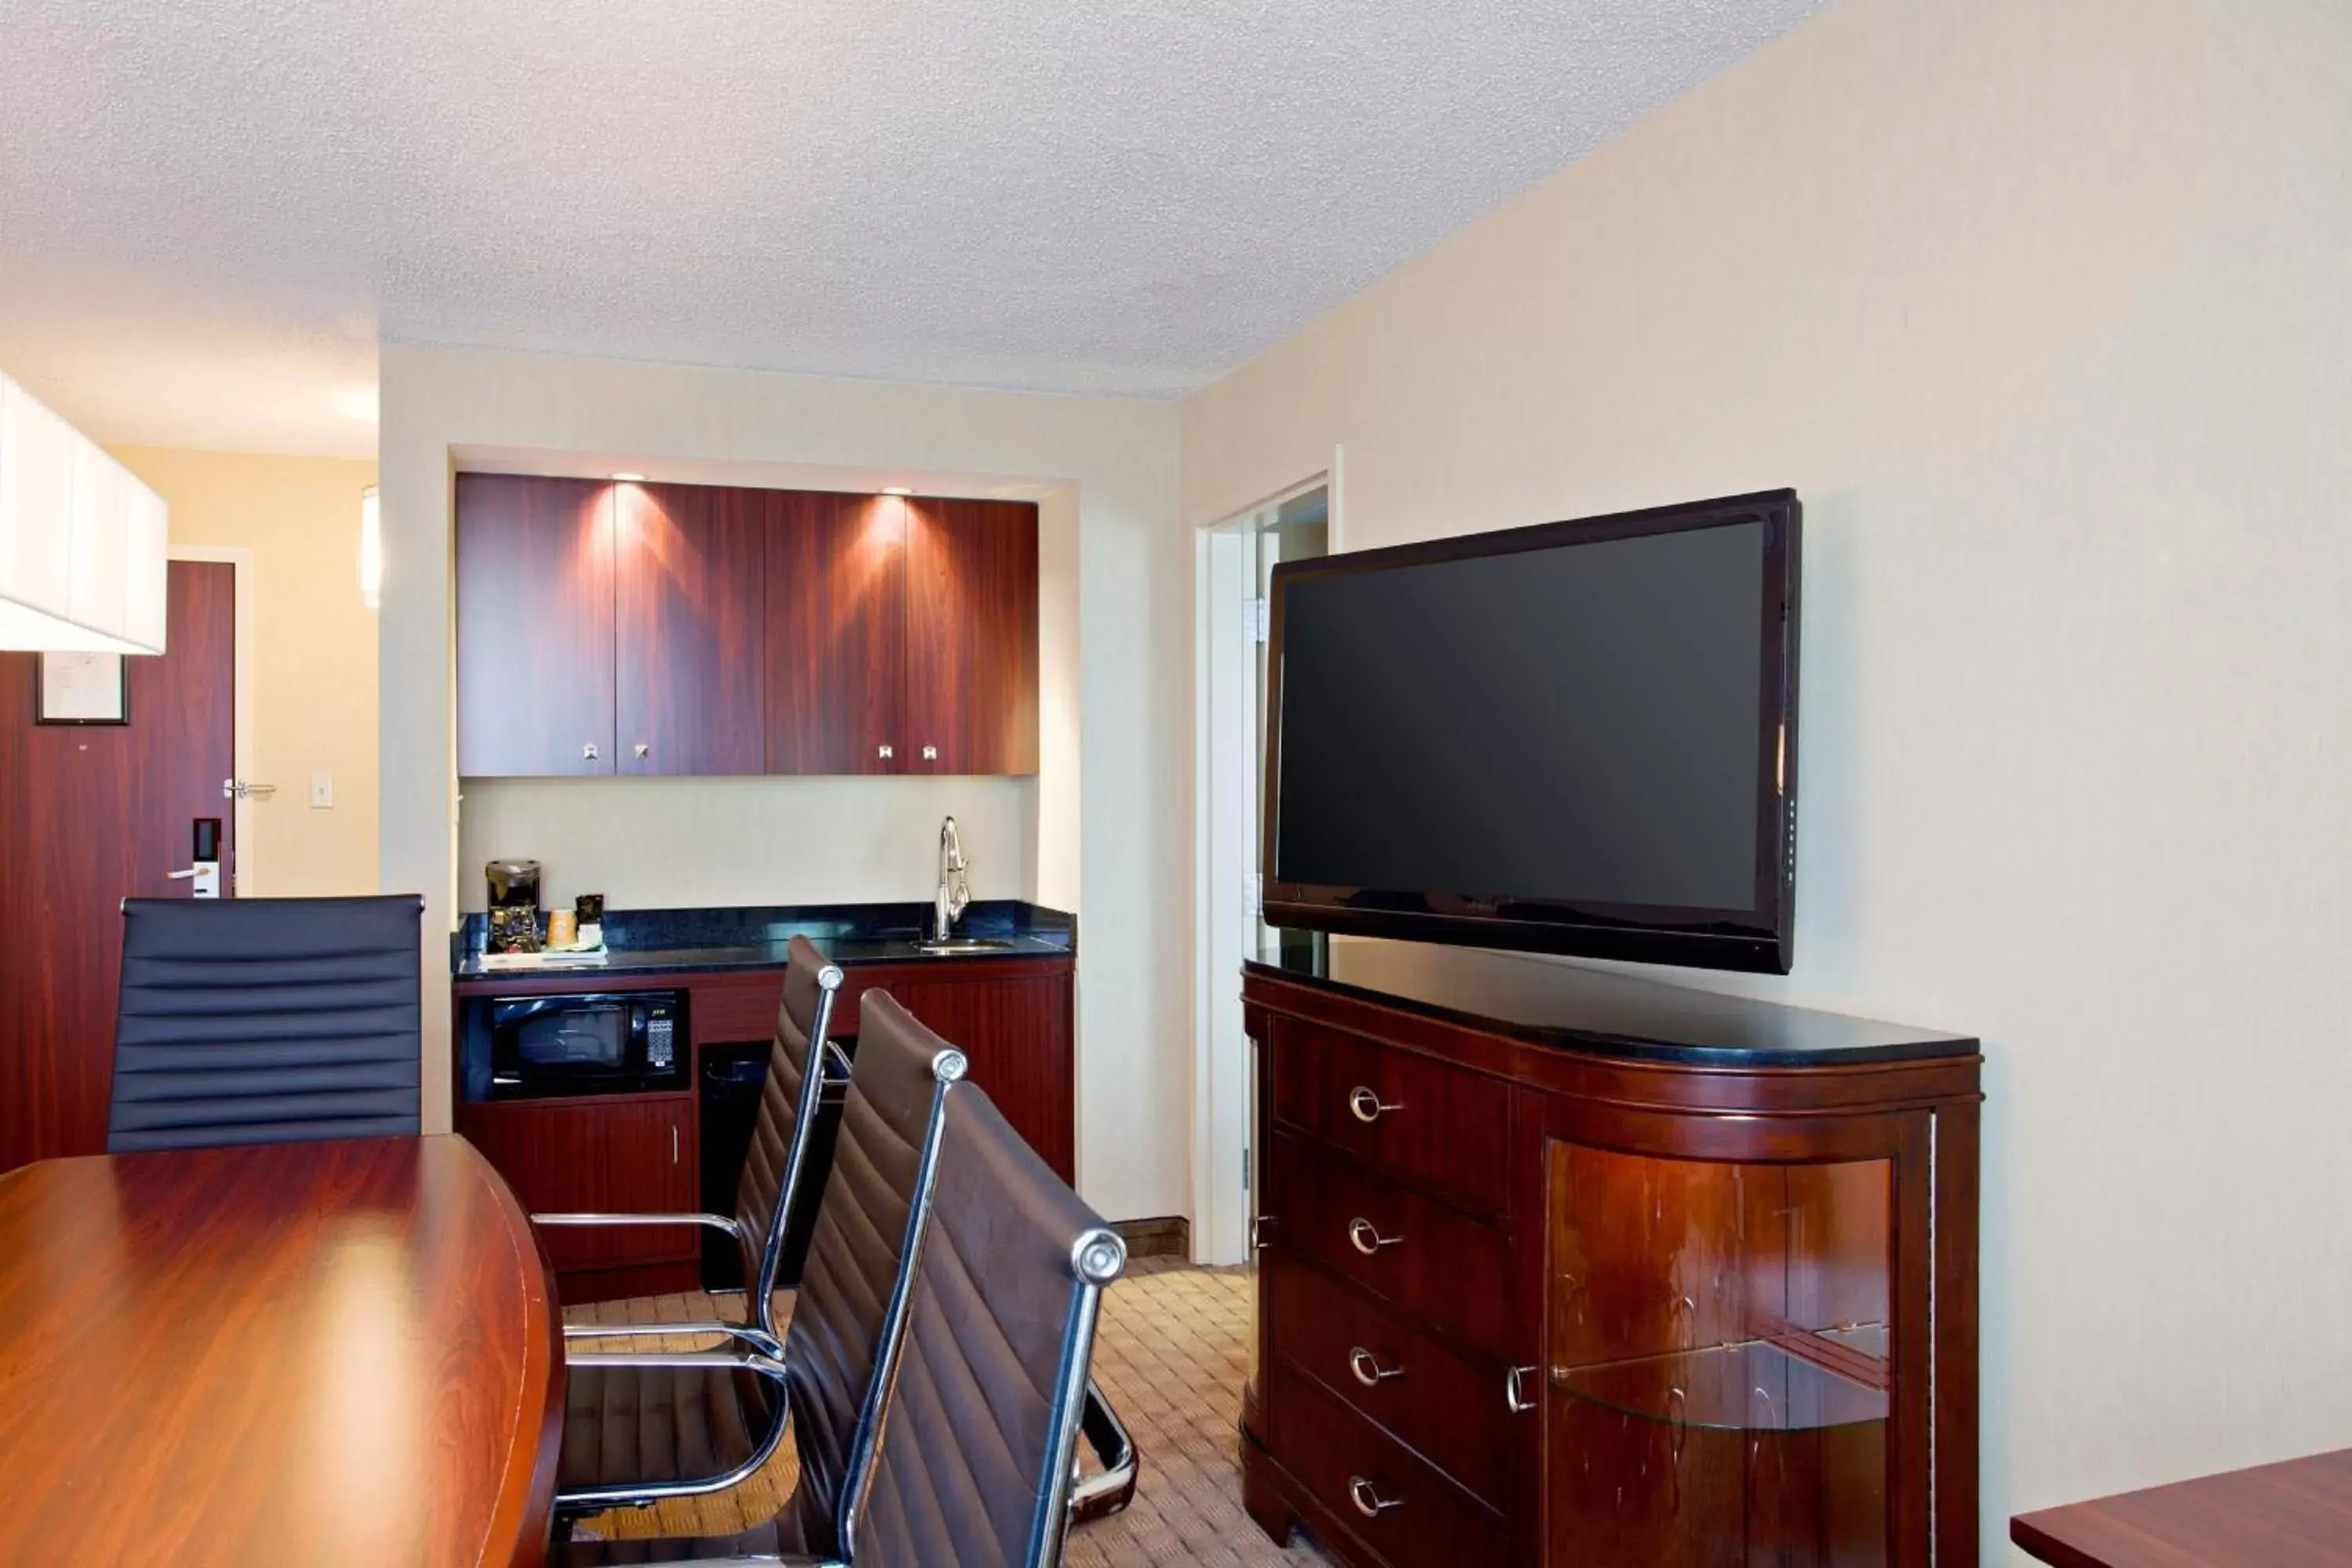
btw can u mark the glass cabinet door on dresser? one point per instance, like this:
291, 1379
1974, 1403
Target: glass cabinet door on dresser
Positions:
1734, 1322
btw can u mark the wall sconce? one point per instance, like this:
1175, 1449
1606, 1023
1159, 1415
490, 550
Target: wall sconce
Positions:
371, 549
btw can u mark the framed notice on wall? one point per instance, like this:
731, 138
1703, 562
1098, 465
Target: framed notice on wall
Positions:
81, 689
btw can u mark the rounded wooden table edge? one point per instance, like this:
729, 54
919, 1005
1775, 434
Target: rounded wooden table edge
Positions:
524, 1513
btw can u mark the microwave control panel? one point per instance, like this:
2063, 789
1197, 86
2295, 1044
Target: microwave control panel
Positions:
661, 1040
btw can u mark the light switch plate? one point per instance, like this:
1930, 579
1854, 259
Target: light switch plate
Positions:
323, 791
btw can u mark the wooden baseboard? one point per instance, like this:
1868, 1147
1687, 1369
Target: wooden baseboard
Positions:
1167, 1237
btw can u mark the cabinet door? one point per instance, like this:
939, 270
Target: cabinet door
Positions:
573, 1156
534, 626
1017, 1033
836, 633
971, 637
688, 565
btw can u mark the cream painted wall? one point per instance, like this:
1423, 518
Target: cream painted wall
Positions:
313, 665
2043, 310
1112, 796
648, 843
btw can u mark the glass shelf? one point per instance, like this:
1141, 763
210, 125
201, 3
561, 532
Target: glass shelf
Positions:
1753, 1387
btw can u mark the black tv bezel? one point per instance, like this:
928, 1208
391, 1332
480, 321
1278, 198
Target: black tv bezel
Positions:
1758, 940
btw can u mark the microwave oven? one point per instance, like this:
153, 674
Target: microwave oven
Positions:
630, 1042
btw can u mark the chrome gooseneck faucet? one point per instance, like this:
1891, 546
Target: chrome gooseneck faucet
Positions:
953, 892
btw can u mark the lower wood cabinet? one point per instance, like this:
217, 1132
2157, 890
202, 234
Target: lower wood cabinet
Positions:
624, 1154
1014, 1017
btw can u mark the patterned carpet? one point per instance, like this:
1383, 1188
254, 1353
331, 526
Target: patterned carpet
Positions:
1172, 1354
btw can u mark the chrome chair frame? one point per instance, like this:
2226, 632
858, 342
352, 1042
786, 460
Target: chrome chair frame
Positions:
1098, 1258
827, 1064
948, 1069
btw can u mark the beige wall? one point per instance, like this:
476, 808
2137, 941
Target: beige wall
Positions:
1103, 823
661, 843
312, 667
2043, 310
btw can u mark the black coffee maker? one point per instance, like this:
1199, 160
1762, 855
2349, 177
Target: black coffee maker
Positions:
514, 905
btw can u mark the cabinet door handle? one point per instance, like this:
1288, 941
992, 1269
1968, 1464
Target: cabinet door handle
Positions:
1369, 1369
644, 751
930, 753
672, 1143
1513, 1401
588, 752
1368, 1106
884, 752
1367, 1241
1258, 1222
1369, 1503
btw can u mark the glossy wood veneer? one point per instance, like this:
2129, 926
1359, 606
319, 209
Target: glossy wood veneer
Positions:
344, 1353
690, 597
2293, 1514
535, 679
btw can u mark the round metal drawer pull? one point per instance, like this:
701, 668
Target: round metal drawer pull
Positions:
1368, 1369
1369, 1503
1368, 1106
1367, 1239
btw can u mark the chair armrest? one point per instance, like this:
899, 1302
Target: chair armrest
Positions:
836, 1062
715, 1221
1103, 1494
759, 1339
644, 1494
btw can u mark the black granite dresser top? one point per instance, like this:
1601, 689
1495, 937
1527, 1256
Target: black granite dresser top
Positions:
1597, 1012
687, 942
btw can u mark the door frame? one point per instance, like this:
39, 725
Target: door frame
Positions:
1224, 818
243, 881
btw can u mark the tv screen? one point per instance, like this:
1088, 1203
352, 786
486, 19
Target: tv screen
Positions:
1576, 738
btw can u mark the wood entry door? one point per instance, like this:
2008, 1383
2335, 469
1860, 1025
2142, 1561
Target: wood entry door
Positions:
91, 814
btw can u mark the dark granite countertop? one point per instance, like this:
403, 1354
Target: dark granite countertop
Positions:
1595, 1010
687, 942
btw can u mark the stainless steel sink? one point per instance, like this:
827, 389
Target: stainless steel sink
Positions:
962, 947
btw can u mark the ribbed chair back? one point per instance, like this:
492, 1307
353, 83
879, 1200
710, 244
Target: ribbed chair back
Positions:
840, 1317
777, 1162
978, 1448
266, 1021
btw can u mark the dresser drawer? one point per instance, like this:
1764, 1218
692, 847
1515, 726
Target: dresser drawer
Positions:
1408, 1116
1406, 1511
1443, 1408
1431, 1264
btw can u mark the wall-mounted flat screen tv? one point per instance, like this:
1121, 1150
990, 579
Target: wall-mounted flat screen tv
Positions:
1576, 738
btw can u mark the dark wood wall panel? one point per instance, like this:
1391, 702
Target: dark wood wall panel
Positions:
534, 626
688, 597
96, 814
836, 633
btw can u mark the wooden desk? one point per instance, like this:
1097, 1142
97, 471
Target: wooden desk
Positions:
2297, 1515
344, 1353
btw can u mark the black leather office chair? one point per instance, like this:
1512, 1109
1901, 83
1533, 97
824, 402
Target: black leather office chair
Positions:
655, 1424
976, 1463
801, 1061
266, 1021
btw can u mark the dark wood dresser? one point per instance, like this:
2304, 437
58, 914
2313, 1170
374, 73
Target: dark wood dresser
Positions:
1560, 1267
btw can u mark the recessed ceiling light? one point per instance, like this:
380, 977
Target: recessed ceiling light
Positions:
897, 490
629, 479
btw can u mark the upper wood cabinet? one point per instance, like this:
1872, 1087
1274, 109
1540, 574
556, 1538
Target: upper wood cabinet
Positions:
836, 633
688, 594
534, 626
971, 637
648, 628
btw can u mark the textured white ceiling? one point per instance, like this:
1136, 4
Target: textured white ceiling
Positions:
211, 209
